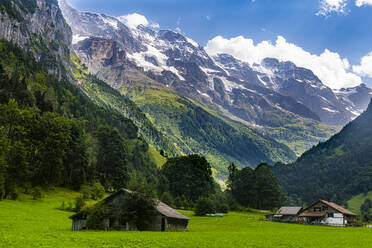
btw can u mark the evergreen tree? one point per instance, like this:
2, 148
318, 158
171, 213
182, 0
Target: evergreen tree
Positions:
112, 164
256, 188
189, 176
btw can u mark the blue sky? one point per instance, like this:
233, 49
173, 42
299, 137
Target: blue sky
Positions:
342, 27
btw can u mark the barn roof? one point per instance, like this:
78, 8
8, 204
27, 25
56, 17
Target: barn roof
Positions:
334, 206
286, 210
166, 210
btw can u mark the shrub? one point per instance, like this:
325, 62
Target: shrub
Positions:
138, 208
37, 193
96, 217
79, 203
204, 206
86, 191
98, 191
223, 208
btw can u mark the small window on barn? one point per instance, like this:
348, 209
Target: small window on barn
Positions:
330, 215
325, 208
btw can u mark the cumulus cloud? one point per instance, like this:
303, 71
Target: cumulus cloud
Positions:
361, 3
135, 19
365, 67
331, 69
328, 7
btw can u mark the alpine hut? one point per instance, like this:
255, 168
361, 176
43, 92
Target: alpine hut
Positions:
165, 218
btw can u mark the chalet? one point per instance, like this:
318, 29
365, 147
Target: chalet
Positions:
165, 218
326, 213
287, 214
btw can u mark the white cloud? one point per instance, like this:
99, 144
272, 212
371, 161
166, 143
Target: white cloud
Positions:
155, 25
178, 29
331, 69
361, 3
328, 7
365, 67
134, 19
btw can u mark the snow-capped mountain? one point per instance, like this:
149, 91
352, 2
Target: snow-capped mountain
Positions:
356, 99
259, 94
298, 83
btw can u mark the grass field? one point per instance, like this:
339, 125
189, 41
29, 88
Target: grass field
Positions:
357, 201
29, 223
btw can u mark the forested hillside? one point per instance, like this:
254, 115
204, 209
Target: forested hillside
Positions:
334, 170
103, 95
198, 130
51, 132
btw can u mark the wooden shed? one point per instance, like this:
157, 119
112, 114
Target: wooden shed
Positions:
287, 214
165, 218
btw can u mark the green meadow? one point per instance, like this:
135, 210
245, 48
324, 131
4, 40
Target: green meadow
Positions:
38, 223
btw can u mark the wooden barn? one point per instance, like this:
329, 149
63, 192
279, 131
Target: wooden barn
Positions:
287, 214
165, 218
326, 213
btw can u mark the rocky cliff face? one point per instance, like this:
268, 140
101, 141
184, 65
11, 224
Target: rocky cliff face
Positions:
38, 27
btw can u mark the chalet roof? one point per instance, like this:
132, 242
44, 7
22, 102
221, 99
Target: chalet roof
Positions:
334, 206
288, 210
161, 207
312, 214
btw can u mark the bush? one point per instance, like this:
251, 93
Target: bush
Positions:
37, 193
98, 191
204, 206
79, 203
86, 191
222, 208
138, 208
96, 217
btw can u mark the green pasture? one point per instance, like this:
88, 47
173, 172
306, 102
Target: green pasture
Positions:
38, 223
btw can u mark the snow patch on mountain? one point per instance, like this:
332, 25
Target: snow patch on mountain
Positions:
77, 38
330, 110
110, 21
192, 42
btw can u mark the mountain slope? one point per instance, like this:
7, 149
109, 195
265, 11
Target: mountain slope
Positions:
336, 169
42, 84
357, 98
37, 26
197, 130
163, 59
189, 126
103, 95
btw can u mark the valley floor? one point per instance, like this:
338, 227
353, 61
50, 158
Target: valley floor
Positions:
29, 223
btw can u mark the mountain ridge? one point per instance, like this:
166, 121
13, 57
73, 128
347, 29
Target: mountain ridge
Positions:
170, 60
